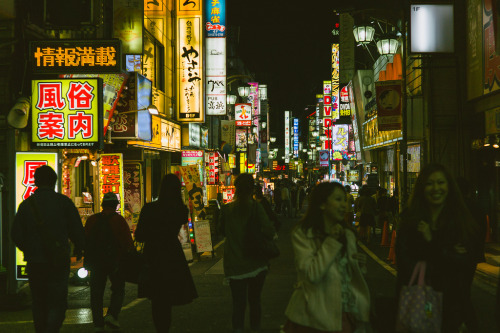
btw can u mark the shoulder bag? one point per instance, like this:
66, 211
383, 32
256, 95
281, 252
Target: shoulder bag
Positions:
420, 306
57, 252
257, 245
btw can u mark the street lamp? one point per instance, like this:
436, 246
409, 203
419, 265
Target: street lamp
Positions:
272, 139
388, 45
363, 34
231, 99
151, 109
243, 91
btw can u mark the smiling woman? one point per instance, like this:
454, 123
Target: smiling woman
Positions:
438, 228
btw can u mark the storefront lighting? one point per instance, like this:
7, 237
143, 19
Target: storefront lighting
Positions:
315, 133
263, 92
272, 139
313, 145
318, 148
363, 34
82, 273
84, 157
304, 150
387, 46
263, 124
486, 141
495, 144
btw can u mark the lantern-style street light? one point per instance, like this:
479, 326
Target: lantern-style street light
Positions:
363, 34
387, 45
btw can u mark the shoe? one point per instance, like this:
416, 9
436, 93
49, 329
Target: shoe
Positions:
99, 329
111, 321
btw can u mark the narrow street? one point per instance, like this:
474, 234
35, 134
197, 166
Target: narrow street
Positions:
211, 312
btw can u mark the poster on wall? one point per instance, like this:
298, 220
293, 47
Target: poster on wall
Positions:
388, 105
191, 177
26, 164
133, 196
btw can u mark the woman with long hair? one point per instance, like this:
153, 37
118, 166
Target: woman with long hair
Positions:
438, 228
331, 294
246, 274
170, 282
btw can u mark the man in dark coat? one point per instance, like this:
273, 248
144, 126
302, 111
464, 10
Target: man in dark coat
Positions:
108, 239
43, 224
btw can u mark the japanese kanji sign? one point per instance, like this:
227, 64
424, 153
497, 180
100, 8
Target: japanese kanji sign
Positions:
26, 164
388, 105
335, 80
67, 113
190, 78
111, 177
340, 137
215, 78
215, 25
191, 178
75, 56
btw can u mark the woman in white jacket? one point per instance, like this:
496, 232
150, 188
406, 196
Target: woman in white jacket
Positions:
331, 294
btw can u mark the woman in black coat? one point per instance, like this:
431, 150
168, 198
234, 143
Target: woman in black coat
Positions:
170, 281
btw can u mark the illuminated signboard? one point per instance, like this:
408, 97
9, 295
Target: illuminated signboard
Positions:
215, 76
295, 137
340, 137
287, 134
335, 80
253, 97
128, 17
213, 168
203, 137
215, 25
241, 139
243, 114
195, 157
189, 60
246, 167
26, 164
111, 177
67, 113
75, 56
166, 136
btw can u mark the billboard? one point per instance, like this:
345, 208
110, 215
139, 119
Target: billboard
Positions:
66, 113
243, 114
215, 80
215, 25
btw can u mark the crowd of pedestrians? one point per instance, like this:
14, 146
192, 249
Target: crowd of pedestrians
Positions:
441, 226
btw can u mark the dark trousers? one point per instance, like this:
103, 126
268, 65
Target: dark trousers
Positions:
162, 314
98, 279
49, 292
241, 290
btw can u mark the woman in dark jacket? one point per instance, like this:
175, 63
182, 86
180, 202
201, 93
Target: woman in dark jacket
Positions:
170, 281
438, 228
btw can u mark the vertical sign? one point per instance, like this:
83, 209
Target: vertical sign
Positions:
215, 78
388, 105
335, 81
327, 113
128, 17
287, 135
215, 46
132, 174
111, 178
243, 114
26, 164
189, 59
295, 137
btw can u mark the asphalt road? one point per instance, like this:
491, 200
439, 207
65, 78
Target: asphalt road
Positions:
211, 312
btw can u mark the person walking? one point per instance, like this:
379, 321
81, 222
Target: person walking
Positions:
170, 282
108, 238
349, 212
286, 203
331, 294
260, 198
438, 228
246, 274
41, 229
366, 208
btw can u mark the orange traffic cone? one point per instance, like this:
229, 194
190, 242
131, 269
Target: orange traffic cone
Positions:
392, 251
488, 239
385, 235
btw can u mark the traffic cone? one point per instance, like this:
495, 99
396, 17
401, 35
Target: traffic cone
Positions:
392, 251
488, 239
385, 235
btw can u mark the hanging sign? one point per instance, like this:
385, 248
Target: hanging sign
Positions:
388, 105
243, 114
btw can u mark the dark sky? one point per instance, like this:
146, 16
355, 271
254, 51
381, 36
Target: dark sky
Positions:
288, 46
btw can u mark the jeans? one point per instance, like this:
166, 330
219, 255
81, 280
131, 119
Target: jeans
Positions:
98, 279
49, 292
239, 291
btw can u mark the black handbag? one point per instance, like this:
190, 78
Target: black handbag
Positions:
132, 264
257, 245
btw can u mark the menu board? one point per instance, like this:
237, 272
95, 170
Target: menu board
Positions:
203, 236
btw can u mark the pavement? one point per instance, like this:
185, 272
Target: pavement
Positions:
211, 311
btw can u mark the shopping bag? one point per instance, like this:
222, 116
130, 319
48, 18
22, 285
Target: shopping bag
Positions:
420, 306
